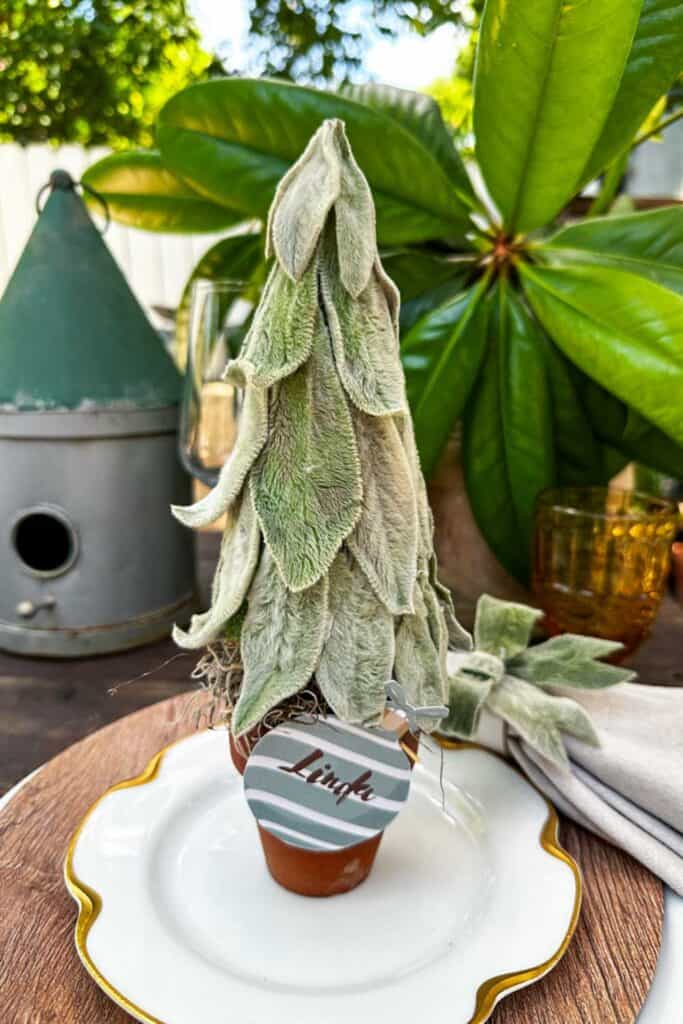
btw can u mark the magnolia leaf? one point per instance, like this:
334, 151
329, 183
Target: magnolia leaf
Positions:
458, 637
234, 573
421, 648
358, 655
567, 660
503, 628
541, 719
384, 541
280, 338
364, 341
251, 436
355, 222
306, 483
302, 202
282, 637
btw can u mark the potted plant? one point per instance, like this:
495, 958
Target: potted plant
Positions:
557, 348
326, 588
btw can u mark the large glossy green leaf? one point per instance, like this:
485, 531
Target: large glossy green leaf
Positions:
426, 280
238, 258
578, 451
612, 422
648, 243
655, 59
621, 329
508, 441
441, 356
141, 192
232, 140
546, 76
421, 116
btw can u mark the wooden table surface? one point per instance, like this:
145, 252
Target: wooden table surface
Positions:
46, 706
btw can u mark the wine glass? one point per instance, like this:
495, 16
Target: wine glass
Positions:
219, 316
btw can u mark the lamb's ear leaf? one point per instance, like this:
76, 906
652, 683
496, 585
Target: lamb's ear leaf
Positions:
303, 199
568, 660
358, 655
421, 649
251, 437
364, 340
425, 520
306, 483
458, 637
384, 541
503, 628
282, 637
355, 221
280, 338
234, 573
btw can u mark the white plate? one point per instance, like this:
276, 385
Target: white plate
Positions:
180, 922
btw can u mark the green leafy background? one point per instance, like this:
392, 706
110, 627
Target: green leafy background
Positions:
559, 346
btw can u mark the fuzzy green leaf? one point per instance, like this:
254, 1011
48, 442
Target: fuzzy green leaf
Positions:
421, 648
251, 437
354, 213
546, 76
425, 520
303, 199
234, 573
358, 655
568, 660
364, 341
384, 541
282, 637
503, 628
458, 637
306, 482
280, 338
621, 329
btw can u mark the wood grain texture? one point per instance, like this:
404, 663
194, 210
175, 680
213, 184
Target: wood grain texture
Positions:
603, 978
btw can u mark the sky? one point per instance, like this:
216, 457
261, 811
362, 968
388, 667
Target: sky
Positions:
409, 61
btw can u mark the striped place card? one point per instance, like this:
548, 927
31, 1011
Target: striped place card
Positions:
326, 785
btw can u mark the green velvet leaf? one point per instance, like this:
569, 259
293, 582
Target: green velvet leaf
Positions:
280, 338
232, 140
282, 637
508, 448
358, 654
232, 579
354, 213
425, 520
503, 628
306, 482
251, 437
442, 355
303, 199
421, 116
384, 540
364, 340
621, 329
545, 80
655, 59
568, 660
421, 648
649, 244
142, 192
541, 719
458, 637
467, 695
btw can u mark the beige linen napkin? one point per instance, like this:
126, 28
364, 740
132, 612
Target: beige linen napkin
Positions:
629, 790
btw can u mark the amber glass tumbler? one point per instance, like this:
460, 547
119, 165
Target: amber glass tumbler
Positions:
601, 561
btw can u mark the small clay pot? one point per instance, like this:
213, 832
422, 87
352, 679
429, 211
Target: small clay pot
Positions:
314, 872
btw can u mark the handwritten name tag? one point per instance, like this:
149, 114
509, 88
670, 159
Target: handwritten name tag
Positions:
326, 785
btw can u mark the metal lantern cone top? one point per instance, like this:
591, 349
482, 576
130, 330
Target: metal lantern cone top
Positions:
72, 334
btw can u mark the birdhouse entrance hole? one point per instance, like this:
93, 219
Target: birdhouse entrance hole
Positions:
45, 541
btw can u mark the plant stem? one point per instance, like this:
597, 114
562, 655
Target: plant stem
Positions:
658, 128
610, 184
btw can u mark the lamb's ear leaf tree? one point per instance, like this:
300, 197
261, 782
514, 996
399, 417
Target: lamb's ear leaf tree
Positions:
560, 348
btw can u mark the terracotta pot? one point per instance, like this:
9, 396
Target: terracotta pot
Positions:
312, 872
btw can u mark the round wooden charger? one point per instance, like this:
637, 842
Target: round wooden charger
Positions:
603, 979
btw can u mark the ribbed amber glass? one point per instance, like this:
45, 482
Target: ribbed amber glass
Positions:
601, 561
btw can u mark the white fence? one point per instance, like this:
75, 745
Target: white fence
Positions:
158, 265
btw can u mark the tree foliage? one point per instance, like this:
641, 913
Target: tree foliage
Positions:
94, 72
